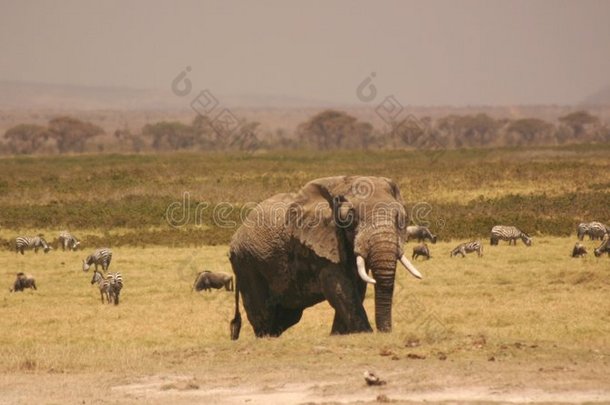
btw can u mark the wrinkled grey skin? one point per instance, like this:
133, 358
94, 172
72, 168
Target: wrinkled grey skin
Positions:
23, 281
421, 250
206, 280
288, 260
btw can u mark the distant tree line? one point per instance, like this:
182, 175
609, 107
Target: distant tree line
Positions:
327, 130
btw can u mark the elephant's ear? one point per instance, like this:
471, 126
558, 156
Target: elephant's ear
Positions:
310, 217
402, 219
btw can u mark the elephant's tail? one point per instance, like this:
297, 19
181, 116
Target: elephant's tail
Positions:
236, 321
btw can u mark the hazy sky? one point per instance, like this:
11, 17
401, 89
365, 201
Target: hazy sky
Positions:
423, 52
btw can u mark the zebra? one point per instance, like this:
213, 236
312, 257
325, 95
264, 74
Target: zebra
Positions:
603, 248
101, 256
115, 285
509, 233
103, 284
421, 250
421, 233
36, 242
579, 250
68, 241
467, 247
595, 230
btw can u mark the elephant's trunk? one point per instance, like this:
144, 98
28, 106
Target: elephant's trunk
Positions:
381, 259
383, 265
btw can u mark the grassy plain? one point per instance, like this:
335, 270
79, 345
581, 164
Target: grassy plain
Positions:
123, 199
520, 324
525, 312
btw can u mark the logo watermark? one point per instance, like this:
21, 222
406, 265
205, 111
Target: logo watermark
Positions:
392, 112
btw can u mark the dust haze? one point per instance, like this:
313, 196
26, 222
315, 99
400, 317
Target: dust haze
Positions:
315, 53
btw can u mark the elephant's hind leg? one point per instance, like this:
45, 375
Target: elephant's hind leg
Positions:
259, 305
284, 319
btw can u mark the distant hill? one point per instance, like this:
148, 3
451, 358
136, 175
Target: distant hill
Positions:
600, 98
124, 107
44, 96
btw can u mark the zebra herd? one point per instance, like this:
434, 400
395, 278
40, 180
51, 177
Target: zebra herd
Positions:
595, 230
110, 284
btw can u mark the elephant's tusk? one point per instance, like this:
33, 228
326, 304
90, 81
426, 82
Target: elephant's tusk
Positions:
362, 271
405, 262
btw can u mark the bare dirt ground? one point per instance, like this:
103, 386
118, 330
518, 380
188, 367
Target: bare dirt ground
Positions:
407, 381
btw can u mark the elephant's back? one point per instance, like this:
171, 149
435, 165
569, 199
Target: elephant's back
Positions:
263, 230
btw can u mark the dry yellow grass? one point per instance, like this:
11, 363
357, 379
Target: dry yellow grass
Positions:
533, 303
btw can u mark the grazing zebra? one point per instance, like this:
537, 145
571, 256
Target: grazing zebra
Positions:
595, 230
103, 284
468, 247
509, 233
603, 248
68, 241
23, 281
36, 242
421, 250
421, 233
115, 285
101, 256
579, 250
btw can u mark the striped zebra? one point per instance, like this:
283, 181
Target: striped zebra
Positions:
603, 248
110, 285
115, 282
509, 233
595, 230
467, 247
103, 284
23, 243
68, 241
100, 257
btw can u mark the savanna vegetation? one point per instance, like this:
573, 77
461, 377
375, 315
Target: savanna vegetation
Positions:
518, 318
326, 130
198, 199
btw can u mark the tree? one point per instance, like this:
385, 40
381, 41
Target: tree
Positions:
578, 121
170, 135
206, 136
469, 130
71, 133
409, 132
26, 138
128, 140
245, 137
332, 129
528, 131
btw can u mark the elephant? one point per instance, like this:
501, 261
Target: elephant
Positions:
206, 280
295, 250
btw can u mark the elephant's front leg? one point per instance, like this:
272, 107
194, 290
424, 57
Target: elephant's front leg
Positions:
345, 297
